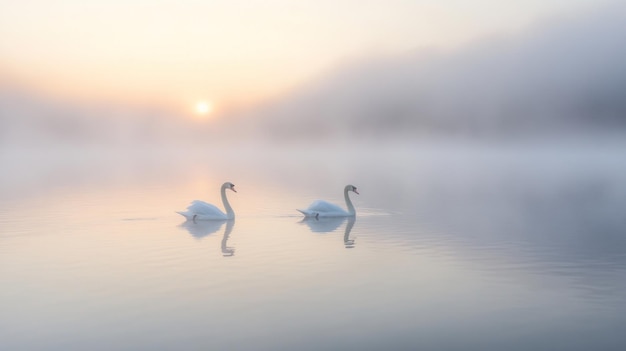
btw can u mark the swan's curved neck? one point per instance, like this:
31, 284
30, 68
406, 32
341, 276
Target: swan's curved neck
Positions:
230, 214
349, 202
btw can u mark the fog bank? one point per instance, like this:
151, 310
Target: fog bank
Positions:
564, 75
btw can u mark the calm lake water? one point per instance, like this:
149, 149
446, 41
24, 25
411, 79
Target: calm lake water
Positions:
454, 247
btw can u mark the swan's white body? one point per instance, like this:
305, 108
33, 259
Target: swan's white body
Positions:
321, 208
200, 210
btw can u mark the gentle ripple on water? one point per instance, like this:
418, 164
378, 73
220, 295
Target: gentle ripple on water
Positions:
464, 256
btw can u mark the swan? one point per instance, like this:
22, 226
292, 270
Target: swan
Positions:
205, 211
321, 208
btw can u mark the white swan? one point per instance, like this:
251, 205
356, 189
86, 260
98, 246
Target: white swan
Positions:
200, 210
321, 208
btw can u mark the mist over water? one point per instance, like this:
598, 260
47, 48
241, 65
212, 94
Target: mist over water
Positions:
454, 246
492, 186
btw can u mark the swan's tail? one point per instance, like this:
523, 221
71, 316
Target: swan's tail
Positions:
184, 214
308, 213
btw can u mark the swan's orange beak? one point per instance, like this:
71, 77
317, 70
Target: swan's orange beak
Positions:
356, 192
233, 188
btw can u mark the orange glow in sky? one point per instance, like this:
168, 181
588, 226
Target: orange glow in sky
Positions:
242, 52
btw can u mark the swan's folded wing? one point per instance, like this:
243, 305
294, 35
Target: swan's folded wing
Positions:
322, 206
200, 207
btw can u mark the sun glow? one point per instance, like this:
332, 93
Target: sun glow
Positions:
203, 108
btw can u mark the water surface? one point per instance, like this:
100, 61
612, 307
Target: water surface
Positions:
454, 247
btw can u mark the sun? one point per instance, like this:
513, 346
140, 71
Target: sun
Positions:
203, 107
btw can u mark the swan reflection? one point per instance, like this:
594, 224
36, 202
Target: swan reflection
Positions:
200, 229
228, 251
331, 224
349, 243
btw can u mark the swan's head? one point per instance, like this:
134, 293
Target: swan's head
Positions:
229, 185
352, 188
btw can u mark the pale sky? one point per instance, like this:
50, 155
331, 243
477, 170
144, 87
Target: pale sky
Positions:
230, 52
